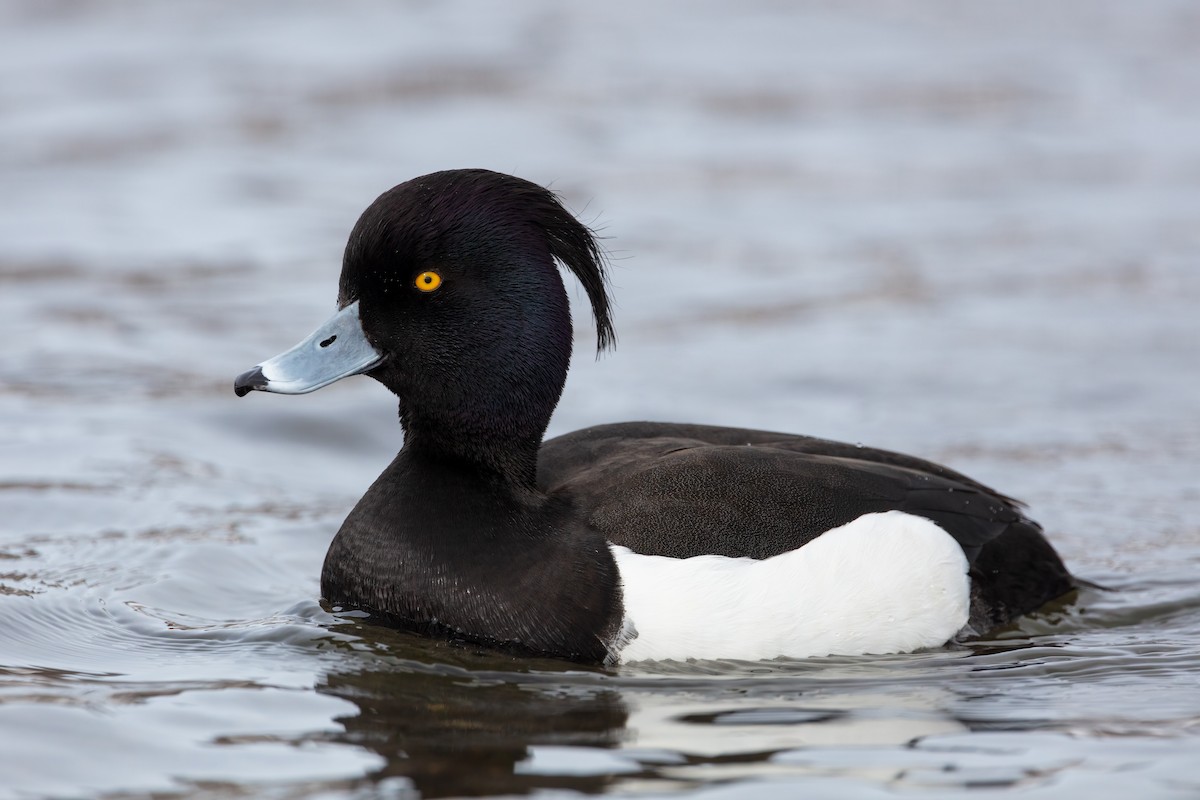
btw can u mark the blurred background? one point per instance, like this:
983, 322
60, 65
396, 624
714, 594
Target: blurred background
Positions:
965, 231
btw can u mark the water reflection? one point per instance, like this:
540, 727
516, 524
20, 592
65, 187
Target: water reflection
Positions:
456, 722
454, 732
451, 731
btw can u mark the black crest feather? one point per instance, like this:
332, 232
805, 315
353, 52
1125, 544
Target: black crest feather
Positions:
575, 246
570, 242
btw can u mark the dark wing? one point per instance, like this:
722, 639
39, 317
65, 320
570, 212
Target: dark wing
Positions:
686, 490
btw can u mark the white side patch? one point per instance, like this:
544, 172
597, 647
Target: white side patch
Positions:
884, 583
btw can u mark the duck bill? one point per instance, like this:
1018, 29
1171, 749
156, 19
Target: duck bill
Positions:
336, 350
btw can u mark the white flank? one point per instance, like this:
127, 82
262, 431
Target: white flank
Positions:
884, 583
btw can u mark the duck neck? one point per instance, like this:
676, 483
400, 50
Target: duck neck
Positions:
502, 457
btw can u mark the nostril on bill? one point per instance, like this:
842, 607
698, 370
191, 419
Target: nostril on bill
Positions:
329, 341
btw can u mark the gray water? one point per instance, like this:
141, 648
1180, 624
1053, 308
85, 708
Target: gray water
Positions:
965, 231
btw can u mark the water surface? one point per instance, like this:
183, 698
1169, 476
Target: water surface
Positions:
965, 232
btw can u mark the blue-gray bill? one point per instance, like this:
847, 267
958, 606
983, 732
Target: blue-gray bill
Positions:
336, 350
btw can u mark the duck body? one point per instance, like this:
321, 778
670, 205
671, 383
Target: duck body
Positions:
683, 492
627, 541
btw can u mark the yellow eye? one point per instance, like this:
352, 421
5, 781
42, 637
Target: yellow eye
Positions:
428, 281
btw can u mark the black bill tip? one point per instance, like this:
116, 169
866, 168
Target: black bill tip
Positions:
249, 381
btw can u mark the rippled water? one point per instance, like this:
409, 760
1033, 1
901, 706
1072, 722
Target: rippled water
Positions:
967, 232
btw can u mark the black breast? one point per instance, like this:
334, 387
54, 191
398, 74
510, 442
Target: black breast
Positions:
439, 550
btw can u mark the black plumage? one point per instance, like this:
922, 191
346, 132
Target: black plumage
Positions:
478, 530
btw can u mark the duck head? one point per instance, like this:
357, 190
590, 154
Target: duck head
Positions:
450, 297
